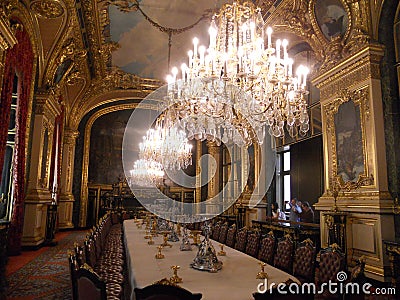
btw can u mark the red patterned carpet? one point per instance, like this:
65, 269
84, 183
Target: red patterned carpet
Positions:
47, 275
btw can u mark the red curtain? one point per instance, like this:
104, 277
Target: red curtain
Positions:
57, 139
19, 61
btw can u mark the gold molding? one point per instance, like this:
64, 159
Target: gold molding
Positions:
86, 149
114, 82
298, 17
372, 222
362, 66
7, 38
49, 9
317, 28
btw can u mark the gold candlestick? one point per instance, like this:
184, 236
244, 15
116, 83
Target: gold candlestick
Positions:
147, 224
147, 236
196, 235
165, 243
222, 252
151, 242
154, 229
262, 274
159, 255
178, 229
175, 278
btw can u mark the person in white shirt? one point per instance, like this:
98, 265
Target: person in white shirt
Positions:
276, 212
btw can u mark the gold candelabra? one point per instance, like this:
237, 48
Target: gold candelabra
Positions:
262, 274
151, 242
159, 255
148, 235
165, 243
154, 228
175, 278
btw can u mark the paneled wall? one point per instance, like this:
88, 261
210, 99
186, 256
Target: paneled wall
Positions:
306, 163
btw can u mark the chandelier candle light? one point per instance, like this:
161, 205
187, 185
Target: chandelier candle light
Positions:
237, 86
146, 173
167, 146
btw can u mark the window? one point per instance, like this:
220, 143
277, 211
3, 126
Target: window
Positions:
283, 192
232, 172
7, 185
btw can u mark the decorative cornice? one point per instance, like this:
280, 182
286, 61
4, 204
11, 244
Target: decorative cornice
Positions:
355, 69
114, 81
47, 104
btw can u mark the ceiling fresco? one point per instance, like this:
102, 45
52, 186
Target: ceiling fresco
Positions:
144, 48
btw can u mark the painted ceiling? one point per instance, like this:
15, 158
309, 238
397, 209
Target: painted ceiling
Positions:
144, 48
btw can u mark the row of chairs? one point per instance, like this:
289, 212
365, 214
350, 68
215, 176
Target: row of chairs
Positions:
98, 266
299, 261
279, 253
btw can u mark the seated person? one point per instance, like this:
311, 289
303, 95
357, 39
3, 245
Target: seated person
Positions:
307, 214
277, 214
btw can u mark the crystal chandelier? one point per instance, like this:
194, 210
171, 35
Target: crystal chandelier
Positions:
238, 86
146, 173
167, 146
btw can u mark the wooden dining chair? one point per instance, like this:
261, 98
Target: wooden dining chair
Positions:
284, 254
231, 236
253, 242
216, 231
89, 285
304, 261
223, 233
164, 292
331, 262
241, 239
267, 248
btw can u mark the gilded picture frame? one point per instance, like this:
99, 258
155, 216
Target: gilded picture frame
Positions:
346, 117
331, 19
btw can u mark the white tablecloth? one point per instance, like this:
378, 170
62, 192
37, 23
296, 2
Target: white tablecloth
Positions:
236, 281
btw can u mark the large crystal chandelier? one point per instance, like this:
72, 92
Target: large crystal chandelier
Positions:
240, 84
146, 173
167, 146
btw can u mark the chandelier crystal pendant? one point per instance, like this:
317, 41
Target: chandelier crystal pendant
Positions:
239, 85
146, 173
167, 146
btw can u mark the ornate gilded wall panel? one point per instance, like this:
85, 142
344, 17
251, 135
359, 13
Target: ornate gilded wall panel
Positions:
345, 123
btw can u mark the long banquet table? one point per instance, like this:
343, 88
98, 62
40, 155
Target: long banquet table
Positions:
237, 279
